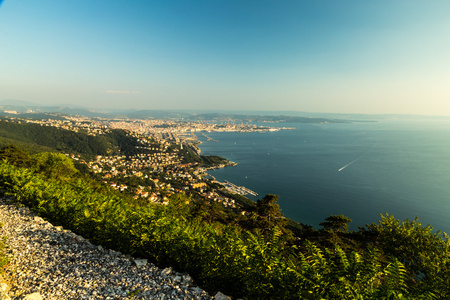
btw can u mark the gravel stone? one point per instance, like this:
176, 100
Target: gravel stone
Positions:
58, 264
34, 296
220, 296
140, 262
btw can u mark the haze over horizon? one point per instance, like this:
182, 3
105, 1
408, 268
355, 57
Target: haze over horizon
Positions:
383, 57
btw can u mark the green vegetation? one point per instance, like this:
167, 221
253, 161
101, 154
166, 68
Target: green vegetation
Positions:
336, 223
254, 253
212, 160
35, 137
53, 165
256, 256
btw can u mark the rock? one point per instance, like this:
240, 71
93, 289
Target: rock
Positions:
220, 296
197, 290
34, 296
24, 209
140, 262
79, 238
166, 272
61, 265
116, 253
187, 279
38, 219
3, 294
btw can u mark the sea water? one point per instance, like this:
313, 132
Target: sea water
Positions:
360, 169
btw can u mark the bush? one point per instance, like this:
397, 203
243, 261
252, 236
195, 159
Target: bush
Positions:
227, 257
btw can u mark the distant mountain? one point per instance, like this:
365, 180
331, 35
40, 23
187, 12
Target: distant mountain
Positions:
67, 110
158, 114
14, 102
27, 109
266, 118
45, 112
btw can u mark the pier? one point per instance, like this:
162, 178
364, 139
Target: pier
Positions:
209, 139
241, 190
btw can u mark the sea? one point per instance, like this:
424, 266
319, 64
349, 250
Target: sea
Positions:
359, 169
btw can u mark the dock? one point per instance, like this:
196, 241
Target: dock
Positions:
209, 139
241, 190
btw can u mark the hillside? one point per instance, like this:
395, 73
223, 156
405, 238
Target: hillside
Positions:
82, 269
35, 138
253, 253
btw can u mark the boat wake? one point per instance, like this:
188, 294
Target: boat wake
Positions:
350, 163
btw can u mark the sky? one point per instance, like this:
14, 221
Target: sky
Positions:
346, 56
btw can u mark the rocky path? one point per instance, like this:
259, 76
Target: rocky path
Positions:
58, 264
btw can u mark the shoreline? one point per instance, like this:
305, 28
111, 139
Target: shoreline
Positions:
231, 187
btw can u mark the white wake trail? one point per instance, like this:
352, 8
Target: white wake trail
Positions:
356, 159
349, 164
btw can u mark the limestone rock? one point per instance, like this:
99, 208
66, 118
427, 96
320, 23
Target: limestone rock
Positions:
140, 262
166, 272
187, 279
3, 294
61, 265
220, 296
34, 296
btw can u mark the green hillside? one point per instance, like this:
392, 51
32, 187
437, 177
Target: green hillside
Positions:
257, 254
37, 138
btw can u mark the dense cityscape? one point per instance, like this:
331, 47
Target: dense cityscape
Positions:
162, 168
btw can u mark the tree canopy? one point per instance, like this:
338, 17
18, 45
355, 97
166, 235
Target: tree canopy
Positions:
334, 222
53, 165
15, 156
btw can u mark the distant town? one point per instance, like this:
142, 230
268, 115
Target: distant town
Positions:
163, 169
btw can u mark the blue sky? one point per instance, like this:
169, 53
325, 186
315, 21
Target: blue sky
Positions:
316, 56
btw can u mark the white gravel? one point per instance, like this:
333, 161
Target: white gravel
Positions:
61, 265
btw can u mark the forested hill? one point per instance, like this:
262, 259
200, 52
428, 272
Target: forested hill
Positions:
36, 138
249, 256
249, 253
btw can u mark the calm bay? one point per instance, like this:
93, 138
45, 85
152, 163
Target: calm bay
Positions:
401, 167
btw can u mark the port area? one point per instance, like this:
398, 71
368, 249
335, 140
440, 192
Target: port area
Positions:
208, 138
241, 190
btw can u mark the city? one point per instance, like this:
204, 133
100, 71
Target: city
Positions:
162, 167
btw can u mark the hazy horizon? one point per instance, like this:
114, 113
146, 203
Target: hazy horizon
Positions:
346, 57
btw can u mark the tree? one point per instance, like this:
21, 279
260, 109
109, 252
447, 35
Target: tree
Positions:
267, 215
425, 254
338, 223
14, 155
53, 165
424, 251
268, 209
208, 211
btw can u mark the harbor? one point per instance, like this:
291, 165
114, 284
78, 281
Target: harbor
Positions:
241, 190
208, 138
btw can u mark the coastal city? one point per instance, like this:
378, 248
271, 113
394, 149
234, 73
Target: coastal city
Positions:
167, 158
